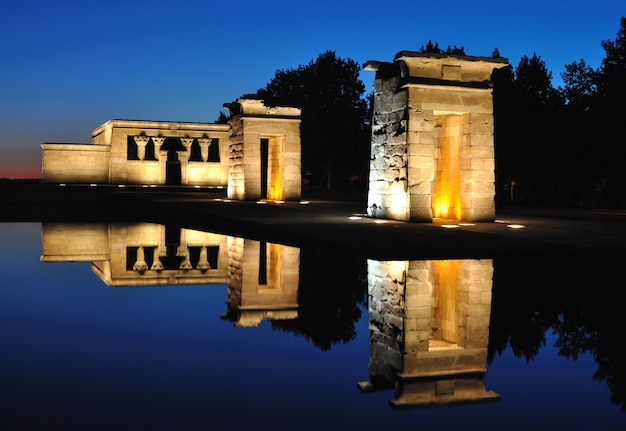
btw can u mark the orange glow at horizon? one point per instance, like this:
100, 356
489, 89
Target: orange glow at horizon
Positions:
19, 172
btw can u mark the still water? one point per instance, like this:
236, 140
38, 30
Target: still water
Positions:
150, 327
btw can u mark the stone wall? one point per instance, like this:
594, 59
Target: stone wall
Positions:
75, 163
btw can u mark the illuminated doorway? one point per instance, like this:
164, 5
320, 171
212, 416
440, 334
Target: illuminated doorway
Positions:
272, 168
446, 202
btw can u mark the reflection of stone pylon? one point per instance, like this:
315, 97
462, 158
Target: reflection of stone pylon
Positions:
429, 331
268, 287
140, 264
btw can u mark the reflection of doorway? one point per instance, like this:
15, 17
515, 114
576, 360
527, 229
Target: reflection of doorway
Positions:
444, 311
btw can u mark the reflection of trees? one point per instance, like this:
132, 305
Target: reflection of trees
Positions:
589, 324
575, 298
332, 288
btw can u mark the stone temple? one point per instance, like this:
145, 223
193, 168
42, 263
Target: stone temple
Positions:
432, 148
256, 156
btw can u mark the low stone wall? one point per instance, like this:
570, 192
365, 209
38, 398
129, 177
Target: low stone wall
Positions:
75, 163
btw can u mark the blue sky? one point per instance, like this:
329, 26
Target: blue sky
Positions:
68, 66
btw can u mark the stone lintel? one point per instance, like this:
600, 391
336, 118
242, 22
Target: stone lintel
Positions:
257, 108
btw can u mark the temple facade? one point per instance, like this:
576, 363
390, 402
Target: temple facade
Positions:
256, 156
432, 149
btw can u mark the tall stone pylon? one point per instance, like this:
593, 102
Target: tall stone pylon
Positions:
432, 147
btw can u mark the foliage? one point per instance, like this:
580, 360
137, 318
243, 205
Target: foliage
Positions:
562, 146
431, 48
334, 129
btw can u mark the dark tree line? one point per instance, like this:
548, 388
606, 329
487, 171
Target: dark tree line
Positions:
554, 146
562, 146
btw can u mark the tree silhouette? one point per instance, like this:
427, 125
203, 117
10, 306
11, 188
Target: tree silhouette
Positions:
335, 128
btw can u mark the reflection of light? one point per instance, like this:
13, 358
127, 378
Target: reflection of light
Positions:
261, 202
449, 226
62, 185
152, 185
501, 221
304, 202
121, 186
466, 224
515, 226
92, 185
380, 221
354, 218
145, 186
279, 202
196, 187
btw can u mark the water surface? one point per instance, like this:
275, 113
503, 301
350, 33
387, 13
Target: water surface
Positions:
78, 353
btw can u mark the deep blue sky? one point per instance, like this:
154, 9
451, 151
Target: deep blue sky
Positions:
68, 66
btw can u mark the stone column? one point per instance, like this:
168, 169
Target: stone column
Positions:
140, 264
187, 143
157, 265
183, 158
203, 262
141, 142
158, 141
205, 143
185, 265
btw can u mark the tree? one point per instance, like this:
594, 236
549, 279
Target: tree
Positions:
527, 132
222, 119
334, 132
580, 84
534, 80
434, 49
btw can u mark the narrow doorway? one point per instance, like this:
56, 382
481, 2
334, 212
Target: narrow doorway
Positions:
446, 200
265, 144
172, 168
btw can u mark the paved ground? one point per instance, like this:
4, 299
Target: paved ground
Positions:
340, 225
343, 226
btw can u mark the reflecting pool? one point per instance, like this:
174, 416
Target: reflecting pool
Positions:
147, 327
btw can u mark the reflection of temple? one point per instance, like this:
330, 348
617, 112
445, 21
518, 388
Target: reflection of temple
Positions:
429, 331
262, 278
142, 254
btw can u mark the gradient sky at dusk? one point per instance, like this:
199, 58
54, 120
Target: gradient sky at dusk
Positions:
69, 66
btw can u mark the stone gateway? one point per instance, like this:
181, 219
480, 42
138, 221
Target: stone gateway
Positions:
432, 149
